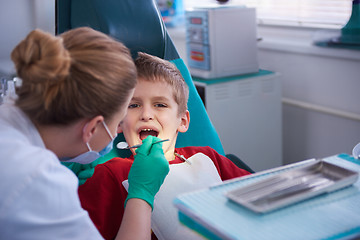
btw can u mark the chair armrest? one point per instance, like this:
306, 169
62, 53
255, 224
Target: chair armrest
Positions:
238, 162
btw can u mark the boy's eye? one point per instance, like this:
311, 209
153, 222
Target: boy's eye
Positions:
161, 105
134, 105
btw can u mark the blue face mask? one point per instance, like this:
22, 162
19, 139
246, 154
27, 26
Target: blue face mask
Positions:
107, 149
90, 156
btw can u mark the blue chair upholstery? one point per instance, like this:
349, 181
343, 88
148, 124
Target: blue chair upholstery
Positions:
138, 24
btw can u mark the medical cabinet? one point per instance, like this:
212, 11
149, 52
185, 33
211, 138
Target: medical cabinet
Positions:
221, 41
246, 112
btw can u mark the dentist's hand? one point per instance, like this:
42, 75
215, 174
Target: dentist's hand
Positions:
148, 171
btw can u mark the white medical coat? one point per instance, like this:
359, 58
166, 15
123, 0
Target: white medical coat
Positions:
38, 196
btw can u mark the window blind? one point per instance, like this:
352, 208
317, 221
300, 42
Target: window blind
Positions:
318, 13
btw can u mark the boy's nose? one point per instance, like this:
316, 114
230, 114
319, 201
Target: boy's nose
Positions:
147, 114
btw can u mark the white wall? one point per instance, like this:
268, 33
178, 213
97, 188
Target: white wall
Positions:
17, 19
322, 78
327, 80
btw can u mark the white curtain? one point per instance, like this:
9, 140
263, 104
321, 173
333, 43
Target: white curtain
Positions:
318, 13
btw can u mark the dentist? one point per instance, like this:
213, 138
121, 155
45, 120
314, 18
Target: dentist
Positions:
75, 91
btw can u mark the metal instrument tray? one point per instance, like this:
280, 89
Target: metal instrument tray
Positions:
292, 186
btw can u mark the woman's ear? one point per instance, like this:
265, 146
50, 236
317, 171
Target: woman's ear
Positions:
185, 121
90, 127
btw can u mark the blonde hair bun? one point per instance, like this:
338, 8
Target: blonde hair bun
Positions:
77, 75
41, 57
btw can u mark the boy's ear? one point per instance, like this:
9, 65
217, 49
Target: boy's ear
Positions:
119, 129
185, 121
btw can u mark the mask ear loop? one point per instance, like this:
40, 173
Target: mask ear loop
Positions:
107, 130
87, 144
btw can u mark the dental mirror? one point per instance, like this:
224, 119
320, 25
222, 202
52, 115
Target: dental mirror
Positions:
122, 145
125, 145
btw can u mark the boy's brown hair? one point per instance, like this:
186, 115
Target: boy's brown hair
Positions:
152, 68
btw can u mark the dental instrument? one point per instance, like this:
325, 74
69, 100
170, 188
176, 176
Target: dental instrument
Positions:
125, 145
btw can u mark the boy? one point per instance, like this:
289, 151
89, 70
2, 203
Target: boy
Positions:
158, 108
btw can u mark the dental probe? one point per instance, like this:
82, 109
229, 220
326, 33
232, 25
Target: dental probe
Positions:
125, 145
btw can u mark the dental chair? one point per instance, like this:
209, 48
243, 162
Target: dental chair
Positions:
138, 24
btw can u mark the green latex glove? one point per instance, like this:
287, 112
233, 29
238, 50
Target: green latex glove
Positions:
148, 171
84, 171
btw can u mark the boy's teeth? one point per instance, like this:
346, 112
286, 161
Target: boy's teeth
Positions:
146, 132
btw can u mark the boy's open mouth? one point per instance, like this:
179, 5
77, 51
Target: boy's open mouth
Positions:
146, 132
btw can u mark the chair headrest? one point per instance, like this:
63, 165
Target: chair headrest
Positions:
137, 24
